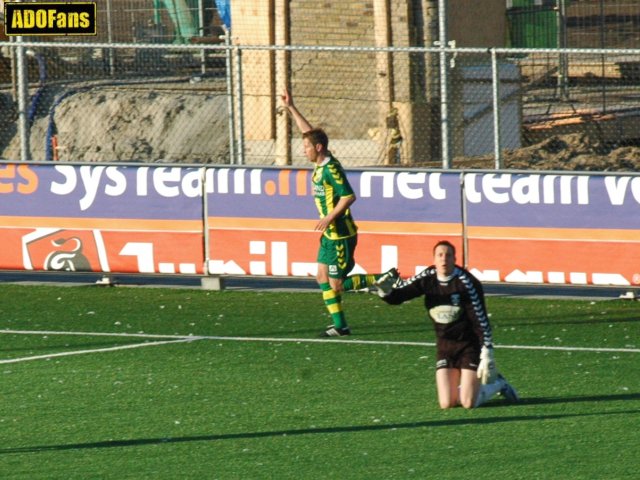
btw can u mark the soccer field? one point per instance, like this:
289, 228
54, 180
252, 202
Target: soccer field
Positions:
180, 383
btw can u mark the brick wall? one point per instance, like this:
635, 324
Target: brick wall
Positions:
334, 89
347, 93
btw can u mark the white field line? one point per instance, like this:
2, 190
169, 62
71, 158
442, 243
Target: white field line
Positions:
186, 338
94, 350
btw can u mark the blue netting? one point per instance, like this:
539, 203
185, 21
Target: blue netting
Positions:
224, 10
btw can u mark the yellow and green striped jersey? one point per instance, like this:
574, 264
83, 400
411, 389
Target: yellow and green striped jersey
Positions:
329, 185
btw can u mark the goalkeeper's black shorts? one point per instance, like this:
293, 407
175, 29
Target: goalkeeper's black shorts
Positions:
456, 354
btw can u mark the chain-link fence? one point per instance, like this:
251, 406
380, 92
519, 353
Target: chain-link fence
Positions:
380, 106
156, 21
573, 23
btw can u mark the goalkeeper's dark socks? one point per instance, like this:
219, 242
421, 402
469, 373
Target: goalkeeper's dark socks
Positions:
360, 281
333, 301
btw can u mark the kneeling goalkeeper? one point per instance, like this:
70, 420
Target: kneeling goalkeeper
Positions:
454, 299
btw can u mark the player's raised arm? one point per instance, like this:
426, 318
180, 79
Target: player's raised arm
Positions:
301, 122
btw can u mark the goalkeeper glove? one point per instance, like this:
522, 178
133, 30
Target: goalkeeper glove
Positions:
487, 372
386, 282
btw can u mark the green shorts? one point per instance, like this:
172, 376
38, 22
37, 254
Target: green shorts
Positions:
339, 255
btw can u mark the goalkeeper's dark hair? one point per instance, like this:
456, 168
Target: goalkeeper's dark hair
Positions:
317, 136
444, 243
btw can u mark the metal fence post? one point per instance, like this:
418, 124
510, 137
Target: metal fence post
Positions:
23, 95
110, 52
240, 109
563, 67
203, 53
495, 80
230, 101
444, 81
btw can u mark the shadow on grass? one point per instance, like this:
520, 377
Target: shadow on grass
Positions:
311, 431
562, 320
359, 330
588, 398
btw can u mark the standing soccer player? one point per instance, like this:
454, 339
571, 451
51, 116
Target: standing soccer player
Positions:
333, 197
454, 299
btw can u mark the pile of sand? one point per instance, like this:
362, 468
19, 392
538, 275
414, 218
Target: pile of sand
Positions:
109, 124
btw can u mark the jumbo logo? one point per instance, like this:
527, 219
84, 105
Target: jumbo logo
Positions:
44, 18
64, 250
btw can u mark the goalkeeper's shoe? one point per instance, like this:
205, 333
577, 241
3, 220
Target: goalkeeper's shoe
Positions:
388, 280
507, 391
333, 331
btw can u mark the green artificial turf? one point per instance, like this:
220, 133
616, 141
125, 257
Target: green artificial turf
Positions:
237, 385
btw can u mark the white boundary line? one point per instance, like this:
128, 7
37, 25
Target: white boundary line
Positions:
95, 350
187, 338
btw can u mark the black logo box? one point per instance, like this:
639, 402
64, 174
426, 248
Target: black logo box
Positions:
50, 18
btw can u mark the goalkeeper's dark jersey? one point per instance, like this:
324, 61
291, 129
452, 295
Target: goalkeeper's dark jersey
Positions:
329, 185
456, 306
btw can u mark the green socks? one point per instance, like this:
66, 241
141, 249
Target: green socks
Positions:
358, 282
333, 301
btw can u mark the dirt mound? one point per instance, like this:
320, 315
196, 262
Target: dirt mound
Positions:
110, 124
577, 152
